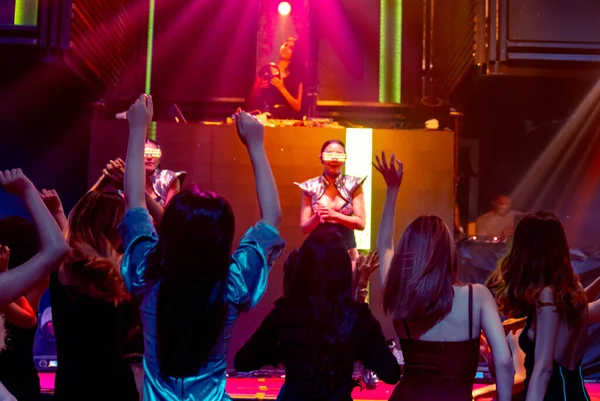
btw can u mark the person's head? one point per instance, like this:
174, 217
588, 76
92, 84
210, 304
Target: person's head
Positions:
502, 204
152, 155
21, 237
286, 51
323, 280
538, 257
93, 264
94, 221
333, 157
422, 272
191, 261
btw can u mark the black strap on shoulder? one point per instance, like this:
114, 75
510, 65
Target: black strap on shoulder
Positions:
406, 329
470, 311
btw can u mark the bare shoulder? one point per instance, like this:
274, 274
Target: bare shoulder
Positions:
546, 295
482, 295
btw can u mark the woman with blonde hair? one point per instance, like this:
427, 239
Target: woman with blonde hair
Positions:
85, 294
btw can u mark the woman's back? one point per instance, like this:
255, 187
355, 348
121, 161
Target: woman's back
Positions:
441, 357
566, 378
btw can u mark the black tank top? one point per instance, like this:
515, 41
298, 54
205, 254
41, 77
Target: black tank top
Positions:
435, 370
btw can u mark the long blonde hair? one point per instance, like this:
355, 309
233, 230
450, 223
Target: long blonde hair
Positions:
93, 264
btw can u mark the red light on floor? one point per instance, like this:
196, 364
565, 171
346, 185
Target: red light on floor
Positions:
284, 8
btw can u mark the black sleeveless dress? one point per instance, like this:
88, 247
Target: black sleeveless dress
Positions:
564, 384
438, 370
90, 362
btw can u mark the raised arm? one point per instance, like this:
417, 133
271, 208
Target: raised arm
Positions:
53, 247
392, 174
546, 330
251, 132
54, 205
139, 117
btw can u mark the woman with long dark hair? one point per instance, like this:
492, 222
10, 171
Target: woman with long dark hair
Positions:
192, 288
437, 318
317, 330
536, 280
333, 199
280, 91
86, 293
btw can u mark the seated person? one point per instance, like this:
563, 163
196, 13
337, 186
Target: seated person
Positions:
498, 222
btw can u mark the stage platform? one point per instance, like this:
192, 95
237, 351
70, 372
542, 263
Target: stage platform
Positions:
267, 388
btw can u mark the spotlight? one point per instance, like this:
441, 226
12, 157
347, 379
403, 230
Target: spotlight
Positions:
284, 8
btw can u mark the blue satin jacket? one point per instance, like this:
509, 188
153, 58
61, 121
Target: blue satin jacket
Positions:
247, 282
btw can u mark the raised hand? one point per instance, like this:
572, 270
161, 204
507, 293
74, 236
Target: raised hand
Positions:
140, 113
249, 129
365, 266
115, 172
15, 181
51, 200
4, 258
392, 172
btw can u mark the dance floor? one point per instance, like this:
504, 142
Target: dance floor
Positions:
268, 388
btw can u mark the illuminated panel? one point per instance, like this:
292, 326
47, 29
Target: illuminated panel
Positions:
359, 148
150, 44
383, 51
26, 12
390, 42
397, 77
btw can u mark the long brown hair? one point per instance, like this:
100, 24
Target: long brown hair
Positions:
538, 257
422, 272
93, 264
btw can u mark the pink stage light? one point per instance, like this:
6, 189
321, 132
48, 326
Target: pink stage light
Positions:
284, 8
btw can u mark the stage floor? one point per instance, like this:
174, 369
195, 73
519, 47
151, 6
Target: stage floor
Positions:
268, 388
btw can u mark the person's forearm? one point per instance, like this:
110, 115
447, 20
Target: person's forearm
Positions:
266, 189
385, 234
538, 385
135, 194
292, 101
592, 290
156, 211
50, 234
352, 222
100, 184
309, 225
20, 314
61, 219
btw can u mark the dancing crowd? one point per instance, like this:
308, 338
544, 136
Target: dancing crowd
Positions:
127, 285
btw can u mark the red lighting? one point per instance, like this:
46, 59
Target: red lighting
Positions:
284, 8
